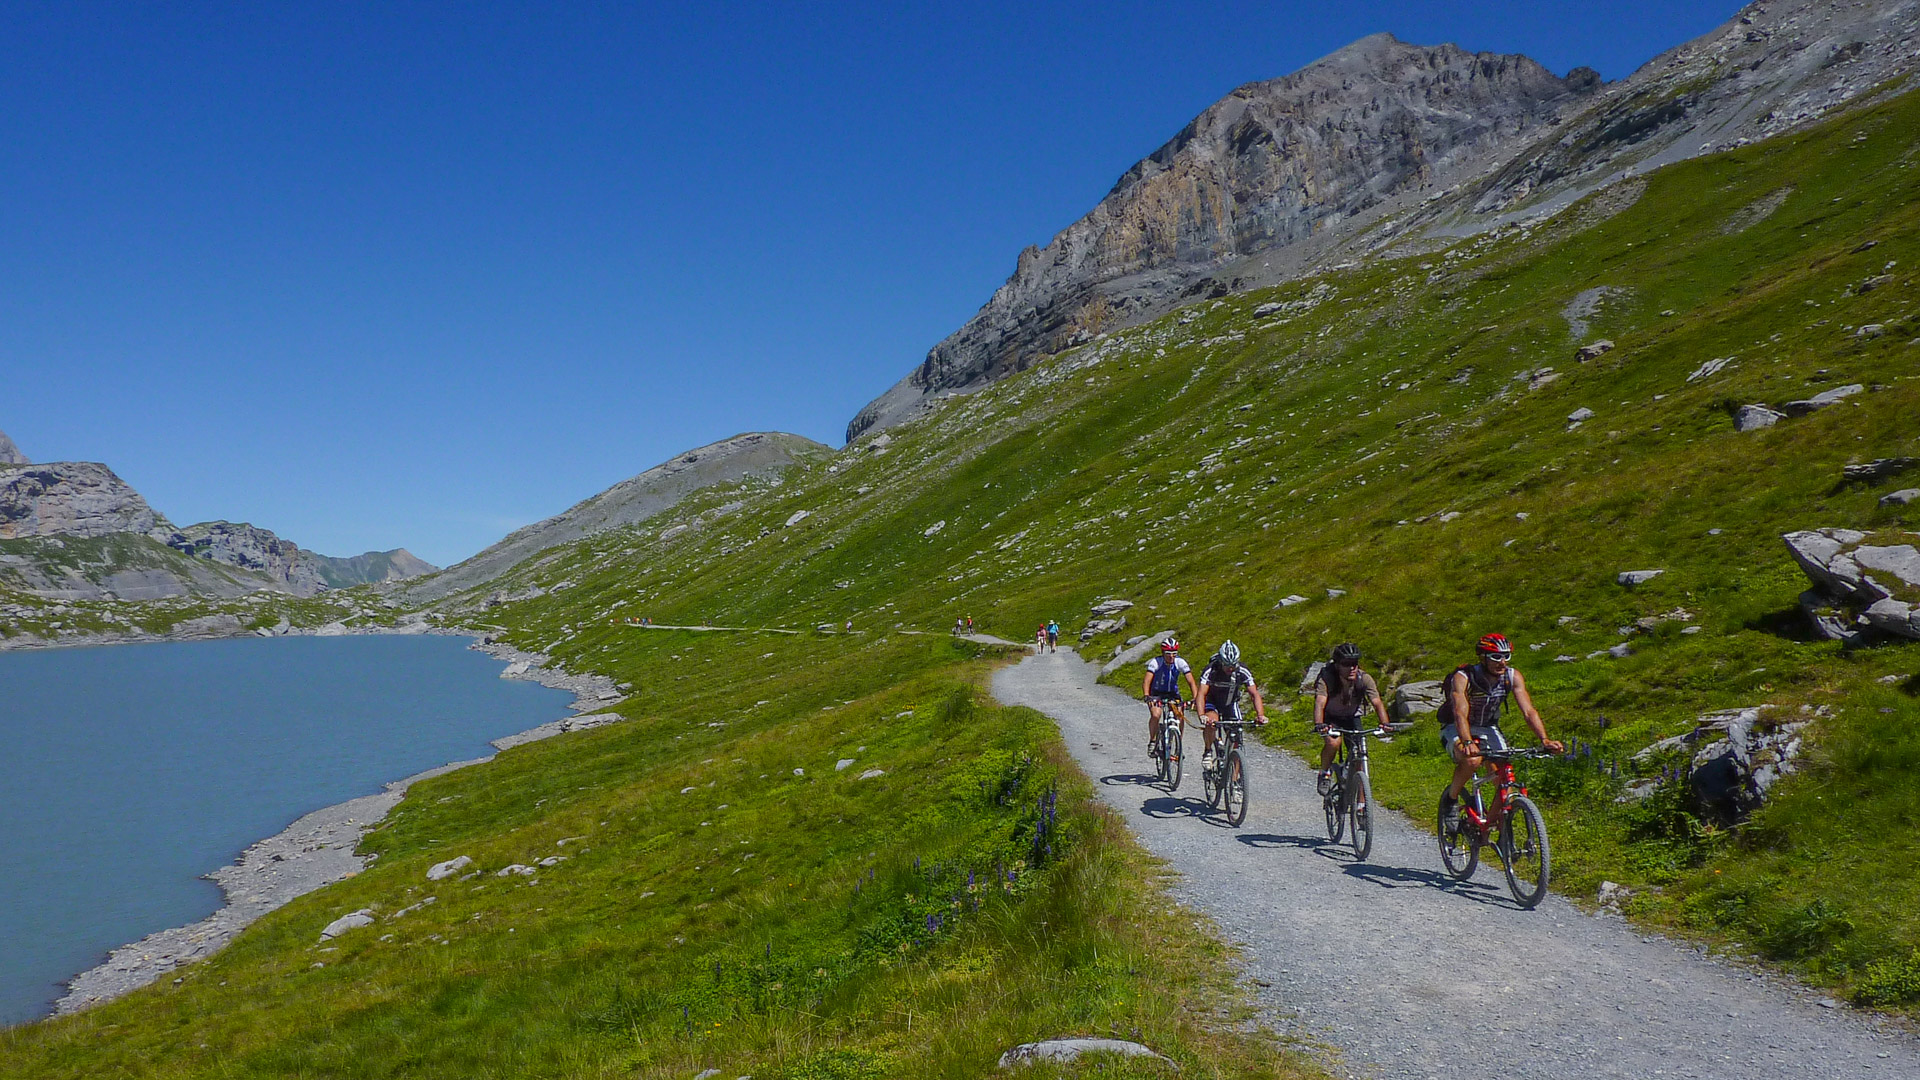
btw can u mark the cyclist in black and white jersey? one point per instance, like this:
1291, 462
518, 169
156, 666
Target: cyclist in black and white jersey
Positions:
1223, 678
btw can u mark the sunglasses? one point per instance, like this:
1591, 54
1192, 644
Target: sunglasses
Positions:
1350, 663
1500, 657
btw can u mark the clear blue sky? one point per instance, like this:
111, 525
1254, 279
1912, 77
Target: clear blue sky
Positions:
379, 275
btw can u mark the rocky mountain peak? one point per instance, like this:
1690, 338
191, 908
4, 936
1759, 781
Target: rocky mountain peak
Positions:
1271, 164
9, 453
1388, 148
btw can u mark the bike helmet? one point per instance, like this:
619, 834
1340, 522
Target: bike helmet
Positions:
1171, 645
1496, 647
1229, 652
1345, 651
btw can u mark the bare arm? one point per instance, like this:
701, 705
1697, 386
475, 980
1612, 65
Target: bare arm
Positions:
1457, 694
1532, 714
1146, 685
1319, 704
1380, 708
1259, 706
1193, 687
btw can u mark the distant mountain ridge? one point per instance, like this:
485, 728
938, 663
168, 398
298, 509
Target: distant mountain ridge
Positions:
1385, 146
75, 529
631, 501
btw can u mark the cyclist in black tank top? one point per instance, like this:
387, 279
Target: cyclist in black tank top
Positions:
1476, 695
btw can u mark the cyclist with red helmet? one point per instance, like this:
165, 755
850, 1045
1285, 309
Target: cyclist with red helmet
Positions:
1476, 696
1161, 688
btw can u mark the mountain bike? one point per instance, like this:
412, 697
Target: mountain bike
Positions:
1350, 798
1166, 752
1225, 780
1513, 826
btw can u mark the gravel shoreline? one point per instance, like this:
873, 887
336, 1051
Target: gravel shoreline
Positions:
318, 849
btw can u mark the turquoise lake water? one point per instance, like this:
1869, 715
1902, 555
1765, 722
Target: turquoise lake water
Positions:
130, 770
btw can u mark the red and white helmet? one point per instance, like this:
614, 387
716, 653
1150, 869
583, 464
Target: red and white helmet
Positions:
1496, 647
1170, 646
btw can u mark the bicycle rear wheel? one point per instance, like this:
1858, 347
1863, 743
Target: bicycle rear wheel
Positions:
1459, 850
1524, 852
1330, 802
1233, 789
1210, 782
1160, 756
1362, 812
1173, 759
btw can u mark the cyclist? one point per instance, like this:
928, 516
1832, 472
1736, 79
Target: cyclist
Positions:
1224, 677
1053, 635
1342, 693
1476, 695
1161, 688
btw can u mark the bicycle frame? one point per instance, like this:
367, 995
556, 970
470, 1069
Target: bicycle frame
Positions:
1506, 787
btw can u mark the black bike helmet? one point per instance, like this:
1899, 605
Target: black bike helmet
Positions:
1345, 651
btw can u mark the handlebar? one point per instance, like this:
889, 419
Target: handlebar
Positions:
1516, 753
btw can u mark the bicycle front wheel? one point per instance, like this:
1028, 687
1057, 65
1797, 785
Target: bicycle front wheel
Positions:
1233, 789
1362, 813
1331, 802
1173, 760
1525, 853
1459, 849
1160, 756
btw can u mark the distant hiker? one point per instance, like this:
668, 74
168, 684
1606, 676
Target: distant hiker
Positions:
849, 626
1053, 636
1162, 690
960, 627
969, 624
1342, 694
1040, 639
1470, 716
1224, 677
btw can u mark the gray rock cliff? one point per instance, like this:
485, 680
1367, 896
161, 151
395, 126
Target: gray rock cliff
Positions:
302, 572
1388, 148
9, 453
72, 498
760, 453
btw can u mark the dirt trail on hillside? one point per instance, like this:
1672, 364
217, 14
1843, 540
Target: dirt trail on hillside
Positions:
1375, 958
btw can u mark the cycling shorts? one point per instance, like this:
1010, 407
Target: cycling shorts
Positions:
1224, 703
1489, 738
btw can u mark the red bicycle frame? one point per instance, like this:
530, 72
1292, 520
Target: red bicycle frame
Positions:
1507, 786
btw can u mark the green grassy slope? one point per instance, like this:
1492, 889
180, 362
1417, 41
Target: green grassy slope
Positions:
725, 898
1382, 432
1385, 432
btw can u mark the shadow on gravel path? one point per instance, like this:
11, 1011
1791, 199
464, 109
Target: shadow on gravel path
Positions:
1414, 975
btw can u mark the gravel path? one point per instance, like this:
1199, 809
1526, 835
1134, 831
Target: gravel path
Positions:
1370, 958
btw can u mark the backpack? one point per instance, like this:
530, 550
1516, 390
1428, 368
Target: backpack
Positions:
1166, 678
1445, 712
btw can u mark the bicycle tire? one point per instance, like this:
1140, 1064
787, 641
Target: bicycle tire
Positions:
1210, 785
1362, 813
1459, 853
1524, 852
1233, 787
1331, 802
1160, 756
1173, 760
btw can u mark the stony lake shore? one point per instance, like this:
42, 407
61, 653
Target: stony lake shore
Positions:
318, 848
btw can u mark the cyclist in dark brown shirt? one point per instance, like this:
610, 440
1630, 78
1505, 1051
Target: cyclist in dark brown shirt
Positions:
1342, 694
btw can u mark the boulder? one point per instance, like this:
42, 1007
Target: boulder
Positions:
1894, 617
1594, 351
1740, 755
1069, 1050
1709, 368
1580, 415
1901, 497
352, 921
1755, 417
1637, 577
514, 869
1821, 400
1828, 620
1417, 699
1823, 554
1111, 607
449, 868
1289, 601
797, 517
1878, 469
1101, 626
1313, 672
1137, 649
